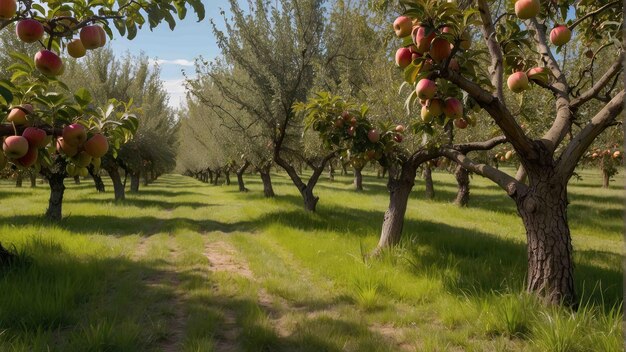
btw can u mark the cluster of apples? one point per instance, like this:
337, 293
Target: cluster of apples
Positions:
81, 150
560, 35
31, 31
433, 50
615, 154
504, 156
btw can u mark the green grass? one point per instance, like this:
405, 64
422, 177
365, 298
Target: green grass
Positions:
135, 276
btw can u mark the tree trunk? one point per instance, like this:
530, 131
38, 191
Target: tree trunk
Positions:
227, 176
240, 171
18, 180
331, 172
33, 179
210, 175
55, 203
310, 201
97, 179
216, 179
399, 191
358, 179
605, 178
543, 210
428, 179
462, 179
268, 190
134, 182
77, 180
344, 170
146, 181
118, 186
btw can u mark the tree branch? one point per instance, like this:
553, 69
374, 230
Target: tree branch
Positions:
596, 88
485, 145
497, 62
592, 14
579, 144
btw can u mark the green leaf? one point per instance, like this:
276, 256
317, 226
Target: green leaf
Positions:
198, 8
6, 94
83, 97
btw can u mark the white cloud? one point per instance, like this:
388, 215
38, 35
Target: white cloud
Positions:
178, 62
176, 89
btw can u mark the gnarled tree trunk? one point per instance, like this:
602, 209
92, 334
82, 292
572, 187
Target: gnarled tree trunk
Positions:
428, 179
331, 172
114, 173
227, 176
217, 178
134, 181
18, 180
97, 179
33, 179
463, 182
268, 190
240, 171
358, 178
399, 190
605, 178
543, 210
57, 189
77, 180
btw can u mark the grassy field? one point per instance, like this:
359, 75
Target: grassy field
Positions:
185, 266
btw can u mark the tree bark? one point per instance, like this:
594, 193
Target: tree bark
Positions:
428, 179
146, 181
97, 179
134, 181
543, 210
463, 192
210, 175
18, 180
77, 180
227, 176
33, 179
268, 190
393, 222
57, 189
358, 178
605, 178
240, 171
114, 173
331, 172
217, 178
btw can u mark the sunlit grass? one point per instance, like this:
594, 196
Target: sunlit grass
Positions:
134, 275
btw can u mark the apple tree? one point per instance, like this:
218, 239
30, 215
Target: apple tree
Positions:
525, 41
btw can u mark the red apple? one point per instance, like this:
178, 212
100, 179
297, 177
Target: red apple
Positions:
517, 82
560, 35
453, 108
29, 30
525, 9
460, 123
36, 137
103, 36
66, 148
422, 37
346, 116
30, 158
373, 135
403, 57
538, 74
15, 147
440, 49
97, 146
338, 123
400, 129
48, 63
353, 121
76, 49
91, 37
17, 115
351, 131
402, 26
398, 138
426, 89
8, 8
74, 134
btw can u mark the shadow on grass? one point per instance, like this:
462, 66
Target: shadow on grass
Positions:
144, 203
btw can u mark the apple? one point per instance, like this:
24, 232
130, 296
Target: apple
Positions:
71, 170
36, 137
440, 49
460, 123
402, 26
346, 116
351, 131
74, 134
91, 37
373, 135
15, 147
427, 66
353, 121
97, 146
66, 148
426, 89
82, 171
466, 41
370, 154
76, 49
29, 30
96, 163
8, 8
616, 154
403, 57
48, 63
453, 108
103, 36
422, 37
560, 35
508, 155
517, 82
594, 155
338, 123
426, 115
398, 138
83, 159
415, 56
526, 9
29, 159
538, 74
400, 129
17, 115
435, 106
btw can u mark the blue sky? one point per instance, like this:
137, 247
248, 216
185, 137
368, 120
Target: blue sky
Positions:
176, 50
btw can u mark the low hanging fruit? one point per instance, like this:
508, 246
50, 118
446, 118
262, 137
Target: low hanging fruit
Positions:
48, 63
403, 57
526, 9
29, 30
426, 89
517, 82
402, 26
560, 35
